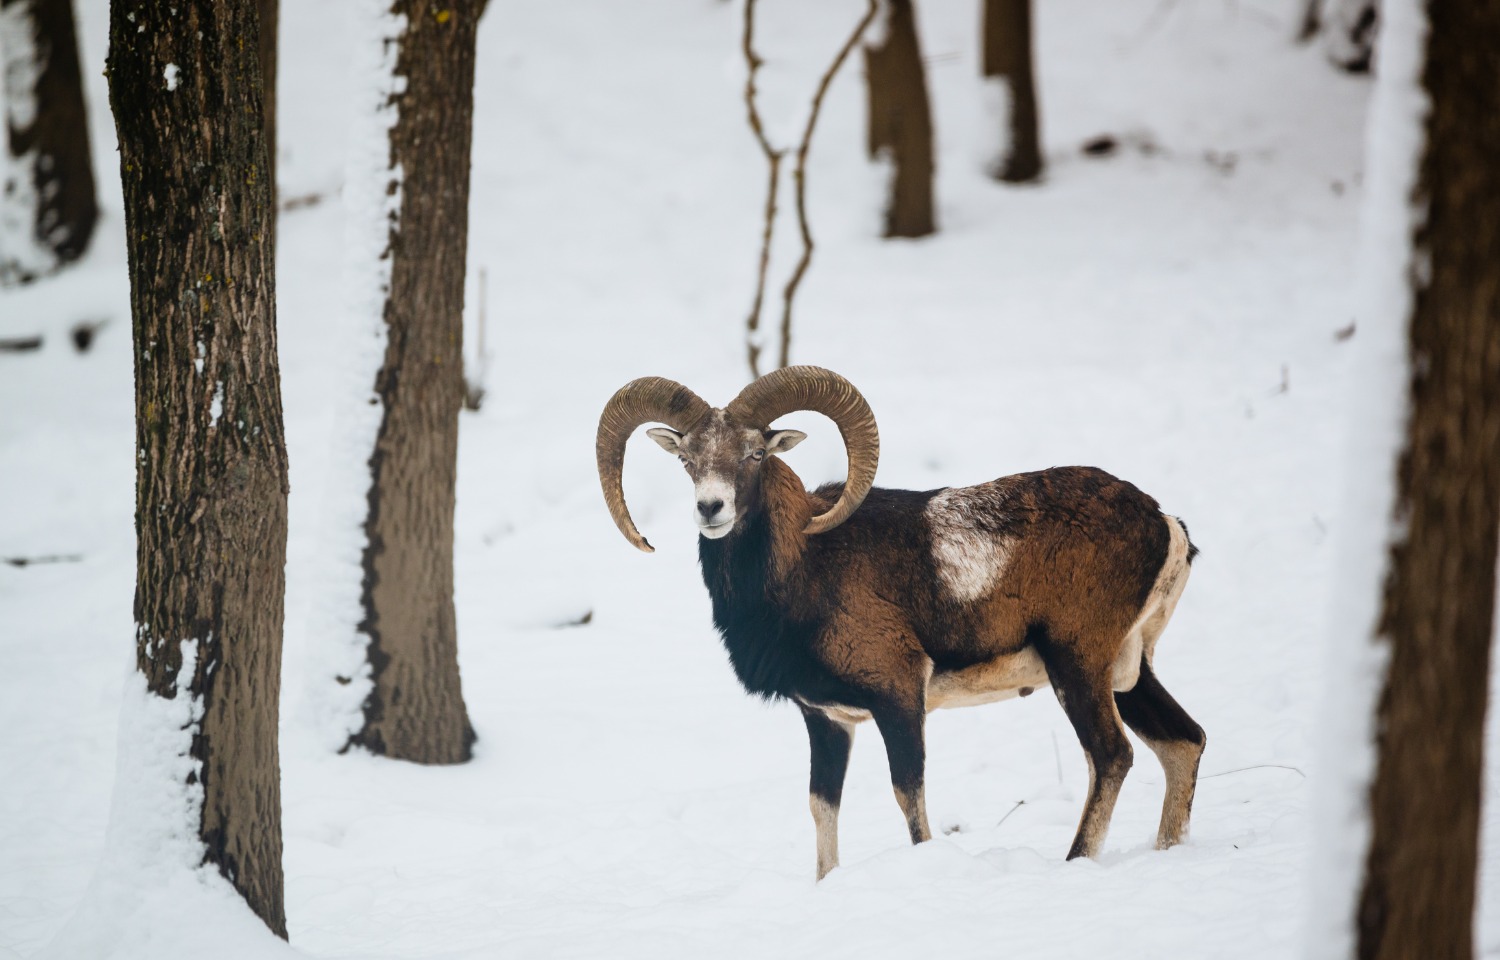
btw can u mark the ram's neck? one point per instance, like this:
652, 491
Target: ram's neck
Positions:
751, 577
787, 508
767, 547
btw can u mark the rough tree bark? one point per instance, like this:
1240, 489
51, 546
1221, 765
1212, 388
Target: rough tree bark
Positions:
1437, 602
900, 131
1007, 59
270, 32
49, 207
416, 710
211, 470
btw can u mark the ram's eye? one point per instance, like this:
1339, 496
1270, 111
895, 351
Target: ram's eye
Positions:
758, 455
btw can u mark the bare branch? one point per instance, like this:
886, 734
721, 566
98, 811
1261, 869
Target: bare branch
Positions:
773, 162
1312, 20
799, 177
753, 324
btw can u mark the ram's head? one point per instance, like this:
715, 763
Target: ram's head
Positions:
725, 449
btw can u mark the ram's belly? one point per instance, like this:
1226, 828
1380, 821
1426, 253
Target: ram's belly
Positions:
839, 713
1009, 675
1006, 676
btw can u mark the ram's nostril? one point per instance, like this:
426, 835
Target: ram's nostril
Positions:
709, 507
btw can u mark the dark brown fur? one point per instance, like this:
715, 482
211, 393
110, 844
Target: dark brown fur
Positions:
1079, 530
857, 621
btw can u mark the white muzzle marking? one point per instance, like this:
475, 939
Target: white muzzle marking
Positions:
720, 522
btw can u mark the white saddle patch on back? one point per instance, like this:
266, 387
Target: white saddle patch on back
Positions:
969, 557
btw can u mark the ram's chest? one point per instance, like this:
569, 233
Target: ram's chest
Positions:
771, 654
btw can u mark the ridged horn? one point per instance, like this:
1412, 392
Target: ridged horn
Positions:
647, 400
783, 391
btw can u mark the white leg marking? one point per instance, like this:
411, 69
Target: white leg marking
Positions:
915, 809
826, 821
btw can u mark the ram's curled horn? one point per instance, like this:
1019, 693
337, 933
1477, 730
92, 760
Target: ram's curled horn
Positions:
647, 400
822, 391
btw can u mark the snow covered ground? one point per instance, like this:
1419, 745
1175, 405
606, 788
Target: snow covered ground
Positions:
1170, 314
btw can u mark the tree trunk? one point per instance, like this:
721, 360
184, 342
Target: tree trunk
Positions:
1007, 58
270, 32
211, 471
415, 710
901, 122
47, 204
1438, 597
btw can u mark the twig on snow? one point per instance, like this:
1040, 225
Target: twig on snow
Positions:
33, 561
1257, 766
1019, 805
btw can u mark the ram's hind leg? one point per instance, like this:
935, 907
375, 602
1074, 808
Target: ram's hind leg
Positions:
901, 727
1085, 690
831, 741
1176, 740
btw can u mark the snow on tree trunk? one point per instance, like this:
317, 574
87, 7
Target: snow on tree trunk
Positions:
409, 193
1410, 660
372, 200
900, 130
211, 469
47, 203
1011, 88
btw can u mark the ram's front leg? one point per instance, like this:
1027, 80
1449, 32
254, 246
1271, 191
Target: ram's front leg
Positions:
831, 742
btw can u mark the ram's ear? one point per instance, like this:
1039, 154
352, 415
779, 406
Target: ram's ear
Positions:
669, 440
783, 440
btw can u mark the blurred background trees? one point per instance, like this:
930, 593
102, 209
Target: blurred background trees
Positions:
1348, 30
1437, 589
47, 201
900, 120
1007, 65
415, 710
899, 133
